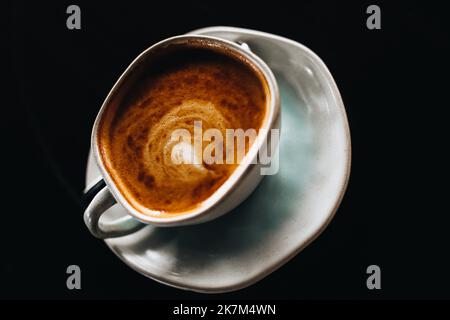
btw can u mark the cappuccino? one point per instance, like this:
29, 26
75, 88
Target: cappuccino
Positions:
179, 90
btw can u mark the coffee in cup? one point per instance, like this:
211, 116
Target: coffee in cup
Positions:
182, 89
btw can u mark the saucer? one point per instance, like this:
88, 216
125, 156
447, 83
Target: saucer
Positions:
285, 213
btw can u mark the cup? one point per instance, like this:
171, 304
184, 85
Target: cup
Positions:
231, 193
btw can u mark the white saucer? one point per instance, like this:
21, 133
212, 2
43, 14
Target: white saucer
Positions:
285, 213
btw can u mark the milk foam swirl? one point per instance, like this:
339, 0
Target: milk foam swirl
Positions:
159, 147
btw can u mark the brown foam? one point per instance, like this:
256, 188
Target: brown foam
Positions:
134, 137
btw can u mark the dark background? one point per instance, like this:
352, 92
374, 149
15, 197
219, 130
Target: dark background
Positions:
394, 83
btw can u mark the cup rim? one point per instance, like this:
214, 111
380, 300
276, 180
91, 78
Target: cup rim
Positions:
207, 205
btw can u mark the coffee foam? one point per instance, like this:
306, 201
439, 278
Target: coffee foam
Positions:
135, 138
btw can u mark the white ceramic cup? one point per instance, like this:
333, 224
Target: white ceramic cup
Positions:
231, 193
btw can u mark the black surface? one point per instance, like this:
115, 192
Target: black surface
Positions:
394, 83
89, 194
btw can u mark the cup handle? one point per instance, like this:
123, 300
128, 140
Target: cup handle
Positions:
102, 200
